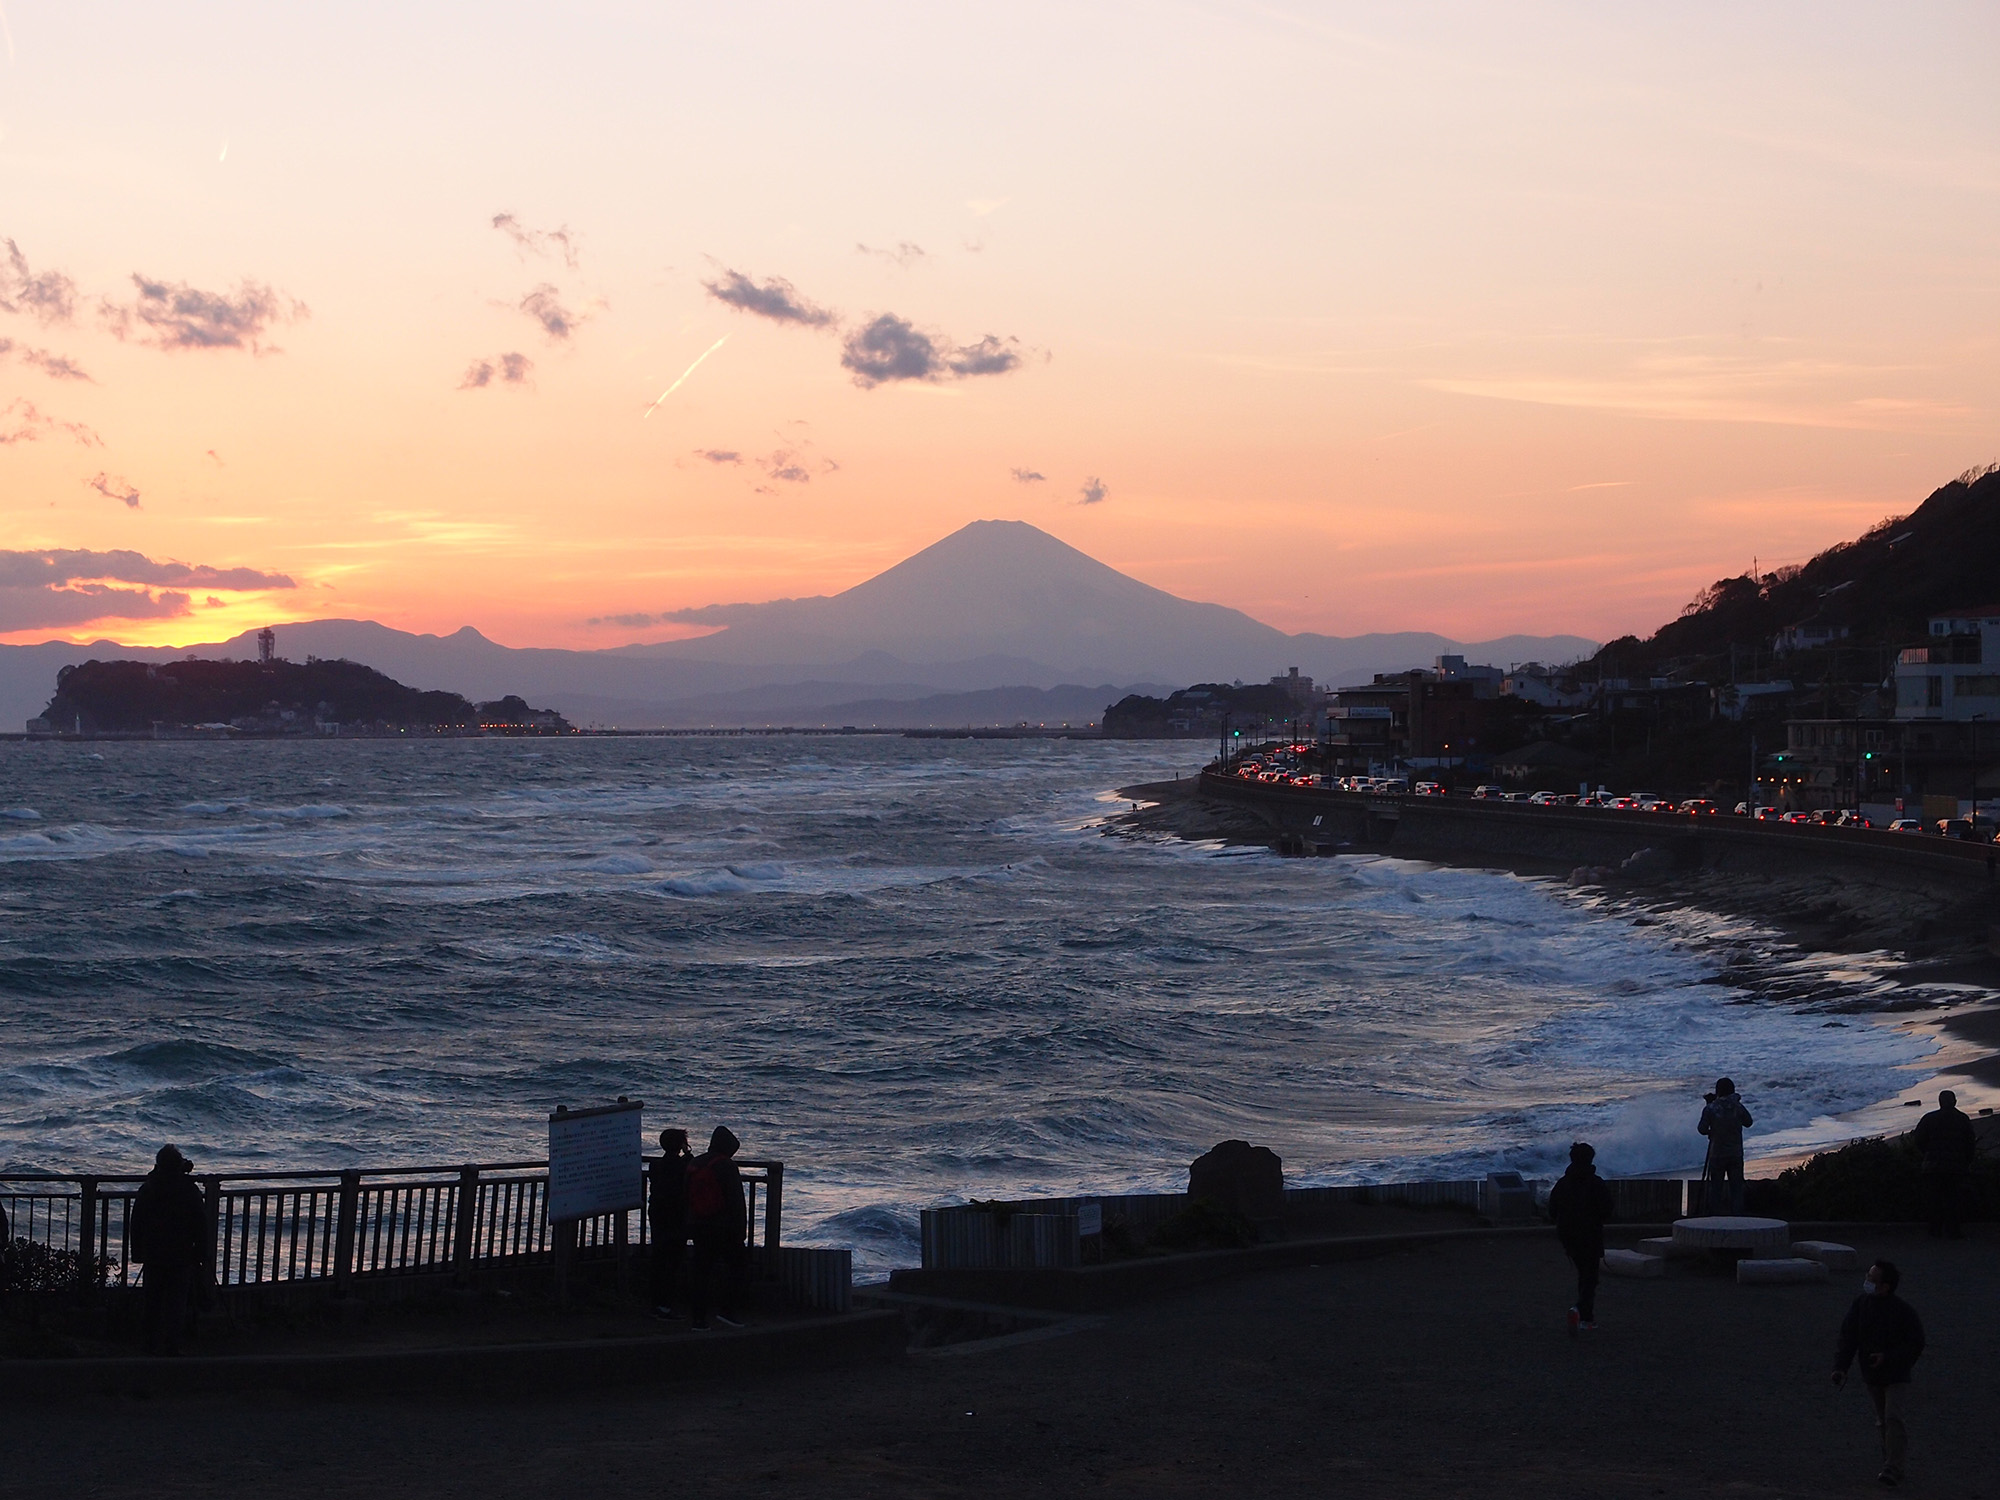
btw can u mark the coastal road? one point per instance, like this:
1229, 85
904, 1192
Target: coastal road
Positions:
1438, 1372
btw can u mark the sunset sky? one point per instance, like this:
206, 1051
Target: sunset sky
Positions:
1469, 318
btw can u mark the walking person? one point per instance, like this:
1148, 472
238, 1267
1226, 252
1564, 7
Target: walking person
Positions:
716, 1220
168, 1235
1947, 1142
1723, 1121
1580, 1203
1885, 1333
667, 1218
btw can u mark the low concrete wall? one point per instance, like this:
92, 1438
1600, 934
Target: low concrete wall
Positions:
1512, 832
477, 1371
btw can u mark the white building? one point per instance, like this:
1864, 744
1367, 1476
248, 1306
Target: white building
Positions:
1956, 673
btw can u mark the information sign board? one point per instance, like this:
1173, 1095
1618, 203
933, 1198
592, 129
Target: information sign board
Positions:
594, 1161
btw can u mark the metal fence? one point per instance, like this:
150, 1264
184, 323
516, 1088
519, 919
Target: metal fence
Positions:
276, 1228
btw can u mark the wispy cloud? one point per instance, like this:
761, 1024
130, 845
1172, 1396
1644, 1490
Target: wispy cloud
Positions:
55, 366
21, 421
1093, 492
1028, 476
774, 298
47, 296
891, 348
508, 369
719, 455
115, 489
544, 305
41, 590
559, 242
173, 315
905, 254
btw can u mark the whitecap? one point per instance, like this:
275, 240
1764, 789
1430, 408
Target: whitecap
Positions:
22, 815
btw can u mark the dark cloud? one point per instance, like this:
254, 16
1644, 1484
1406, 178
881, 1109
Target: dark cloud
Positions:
776, 299
905, 254
63, 568
512, 369
174, 315
990, 356
786, 466
48, 296
39, 590
559, 241
544, 305
21, 421
115, 489
1028, 476
719, 455
211, 602
1093, 491
893, 348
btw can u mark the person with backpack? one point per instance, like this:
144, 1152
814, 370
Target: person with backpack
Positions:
716, 1221
1884, 1332
1580, 1203
168, 1235
1723, 1121
667, 1217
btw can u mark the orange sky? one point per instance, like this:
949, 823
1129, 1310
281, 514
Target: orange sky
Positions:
1463, 318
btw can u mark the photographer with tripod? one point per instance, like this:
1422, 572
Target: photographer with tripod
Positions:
1723, 1121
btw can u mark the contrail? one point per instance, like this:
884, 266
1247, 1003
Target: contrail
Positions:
685, 373
8, 32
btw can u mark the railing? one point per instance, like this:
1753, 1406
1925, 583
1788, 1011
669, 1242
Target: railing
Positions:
275, 1228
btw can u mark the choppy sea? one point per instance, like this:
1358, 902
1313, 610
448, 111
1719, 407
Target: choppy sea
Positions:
917, 971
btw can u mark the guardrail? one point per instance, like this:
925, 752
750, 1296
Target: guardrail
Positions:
337, 1227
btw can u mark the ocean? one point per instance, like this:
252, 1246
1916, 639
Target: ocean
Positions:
917, 971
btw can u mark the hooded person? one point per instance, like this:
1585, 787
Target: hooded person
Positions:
1580, 1203
167, 1234
1723, 1121
717, 1220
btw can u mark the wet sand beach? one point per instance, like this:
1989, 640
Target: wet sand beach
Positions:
1443, 1371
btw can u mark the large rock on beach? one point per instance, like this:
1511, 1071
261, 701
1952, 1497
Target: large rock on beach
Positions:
1247, 1179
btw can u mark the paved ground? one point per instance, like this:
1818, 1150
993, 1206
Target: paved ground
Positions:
1439, 1372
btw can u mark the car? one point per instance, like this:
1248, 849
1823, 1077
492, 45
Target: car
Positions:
1796, 816
1429, 789
1955, 828
1564, 799
1301, 779
1853, 818
1623, 804
1767, 815
1905, 825
1699, 807
1742, 810
1513, 796
1543, 799
1590, 799
1489, 792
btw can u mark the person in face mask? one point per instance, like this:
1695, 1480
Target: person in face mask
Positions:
1885, 1333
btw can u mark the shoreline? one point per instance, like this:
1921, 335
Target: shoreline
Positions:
1916, 956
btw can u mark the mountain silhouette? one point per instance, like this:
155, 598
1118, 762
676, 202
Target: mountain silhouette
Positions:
996, 605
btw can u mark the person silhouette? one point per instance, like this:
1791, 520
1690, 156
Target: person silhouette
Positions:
1723, 1121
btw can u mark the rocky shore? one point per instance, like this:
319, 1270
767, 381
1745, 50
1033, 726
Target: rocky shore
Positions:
1920, 951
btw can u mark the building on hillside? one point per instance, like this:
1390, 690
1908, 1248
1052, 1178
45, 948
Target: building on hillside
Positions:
1298, 689
1809, 636
1544, 765
1846, 762
1545, 687
1737, 701
1955, 674
1486, 681
1414, 718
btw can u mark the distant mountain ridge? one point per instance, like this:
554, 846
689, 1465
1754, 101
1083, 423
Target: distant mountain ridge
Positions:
997, 608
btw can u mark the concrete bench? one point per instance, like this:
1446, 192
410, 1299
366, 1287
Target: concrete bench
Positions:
1785, 1272
1632, 1263
1734, 1232
1834, 1257
1665, 1247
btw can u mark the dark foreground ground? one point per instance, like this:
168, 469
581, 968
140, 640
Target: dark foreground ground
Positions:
1439, 1372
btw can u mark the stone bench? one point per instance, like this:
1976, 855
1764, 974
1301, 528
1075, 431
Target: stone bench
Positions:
1781, 1272
1765, 1237
1632, 1263
1834, 1257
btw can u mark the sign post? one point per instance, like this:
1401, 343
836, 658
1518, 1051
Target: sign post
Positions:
594, 1169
